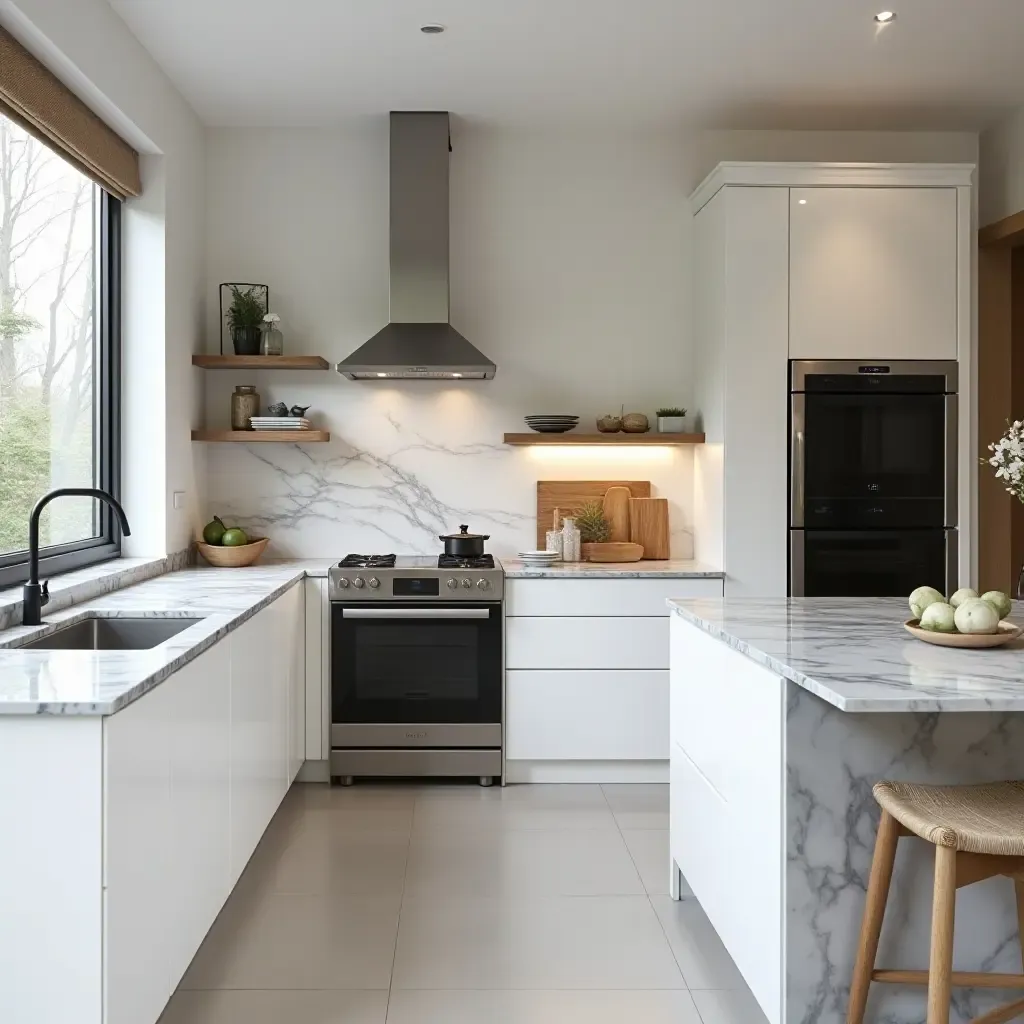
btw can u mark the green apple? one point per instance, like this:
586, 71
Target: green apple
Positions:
234, 538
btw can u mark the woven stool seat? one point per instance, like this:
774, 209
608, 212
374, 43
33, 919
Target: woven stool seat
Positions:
975, 819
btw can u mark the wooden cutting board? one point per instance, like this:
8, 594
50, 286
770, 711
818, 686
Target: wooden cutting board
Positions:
616, 511
648, 525
568, 495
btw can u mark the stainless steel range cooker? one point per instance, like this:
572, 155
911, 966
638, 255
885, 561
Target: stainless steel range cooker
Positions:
417, 667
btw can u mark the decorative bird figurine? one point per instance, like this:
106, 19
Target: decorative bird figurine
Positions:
299, 410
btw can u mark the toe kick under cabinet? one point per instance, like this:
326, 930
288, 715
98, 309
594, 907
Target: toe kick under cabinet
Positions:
586, 680
135, 827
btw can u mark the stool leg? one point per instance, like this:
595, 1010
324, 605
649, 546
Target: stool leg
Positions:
940, 965
1018, 888
874, 910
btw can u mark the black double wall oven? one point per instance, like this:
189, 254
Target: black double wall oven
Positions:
873, 478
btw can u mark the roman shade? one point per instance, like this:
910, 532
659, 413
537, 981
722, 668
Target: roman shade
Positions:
36, 99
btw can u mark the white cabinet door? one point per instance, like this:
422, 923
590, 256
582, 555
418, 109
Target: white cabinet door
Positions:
589, 715
257, 708
317, 643
602, 597
873, 273
199, 746
139, 908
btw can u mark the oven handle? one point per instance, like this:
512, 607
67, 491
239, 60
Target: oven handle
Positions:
416, 613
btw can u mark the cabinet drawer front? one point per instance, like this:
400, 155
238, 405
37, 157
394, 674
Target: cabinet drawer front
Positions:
596, 715
586, 643
727, 714
556, 597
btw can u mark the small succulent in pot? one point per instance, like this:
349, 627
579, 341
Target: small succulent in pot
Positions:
671, 420
590, 521
245, 319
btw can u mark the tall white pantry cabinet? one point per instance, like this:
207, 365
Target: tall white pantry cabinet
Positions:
871, 262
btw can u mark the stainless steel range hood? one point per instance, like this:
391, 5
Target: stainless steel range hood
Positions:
419, 342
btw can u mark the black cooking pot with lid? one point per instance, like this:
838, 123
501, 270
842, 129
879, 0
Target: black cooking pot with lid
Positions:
464, 544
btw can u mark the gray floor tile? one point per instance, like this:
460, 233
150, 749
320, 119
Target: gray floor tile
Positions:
381, 808
272, 940
506, 862
703, 959
276, 1007
638, 805
584, 942
728, 1006
561, 1007
649, 850
325, 853
555, 807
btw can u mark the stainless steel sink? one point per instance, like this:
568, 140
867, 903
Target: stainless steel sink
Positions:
98, 634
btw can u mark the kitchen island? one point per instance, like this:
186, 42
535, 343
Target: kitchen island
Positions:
783, 716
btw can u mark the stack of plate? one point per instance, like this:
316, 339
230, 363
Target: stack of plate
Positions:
552, 424
279, 423
539, 559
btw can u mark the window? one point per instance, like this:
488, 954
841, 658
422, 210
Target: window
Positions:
59, 356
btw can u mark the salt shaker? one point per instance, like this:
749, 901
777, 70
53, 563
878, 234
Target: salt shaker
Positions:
570, 540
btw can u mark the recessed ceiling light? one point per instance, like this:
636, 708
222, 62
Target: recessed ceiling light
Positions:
381, 374
456, 374
802, 202
885, 17
432, 28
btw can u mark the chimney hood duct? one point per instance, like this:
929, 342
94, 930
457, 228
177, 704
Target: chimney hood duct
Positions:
419, 342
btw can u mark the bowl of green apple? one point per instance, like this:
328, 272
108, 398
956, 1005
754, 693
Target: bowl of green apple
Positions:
966, 620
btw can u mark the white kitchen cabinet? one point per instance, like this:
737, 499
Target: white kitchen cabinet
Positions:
294, 648
586, 682
727, 780
317, 668
584, 715
873, 273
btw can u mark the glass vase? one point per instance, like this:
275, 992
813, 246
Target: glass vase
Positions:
272, 343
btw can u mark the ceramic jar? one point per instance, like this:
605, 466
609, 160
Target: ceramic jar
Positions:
554, 541
570, 540
245, 402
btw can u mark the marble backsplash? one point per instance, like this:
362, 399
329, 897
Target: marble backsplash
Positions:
406, 463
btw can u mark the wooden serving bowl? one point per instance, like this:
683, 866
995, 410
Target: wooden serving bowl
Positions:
233, 557
1005, 632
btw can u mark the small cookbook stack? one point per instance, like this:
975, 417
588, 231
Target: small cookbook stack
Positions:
280, 423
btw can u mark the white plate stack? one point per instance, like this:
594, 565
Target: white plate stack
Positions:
539, 559
279, 423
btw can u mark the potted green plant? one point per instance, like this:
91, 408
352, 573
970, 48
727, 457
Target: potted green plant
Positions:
671, 420
245, 318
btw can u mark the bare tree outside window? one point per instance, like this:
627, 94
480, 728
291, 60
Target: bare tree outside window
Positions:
48, 329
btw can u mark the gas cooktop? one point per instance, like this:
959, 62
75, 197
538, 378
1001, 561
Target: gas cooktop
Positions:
416, 578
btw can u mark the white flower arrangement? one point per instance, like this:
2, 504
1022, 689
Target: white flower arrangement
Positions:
1008, 459
271, 318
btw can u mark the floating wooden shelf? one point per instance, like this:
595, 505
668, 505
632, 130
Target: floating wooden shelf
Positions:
251, 436
603, 439
260, 362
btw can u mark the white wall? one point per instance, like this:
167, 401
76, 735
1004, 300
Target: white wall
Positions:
1002, 169
94, 53
569, 270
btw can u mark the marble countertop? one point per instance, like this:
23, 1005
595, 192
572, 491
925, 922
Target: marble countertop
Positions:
672, 568
103, 682
855, 653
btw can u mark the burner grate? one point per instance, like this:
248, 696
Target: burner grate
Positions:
476, 562
367, 562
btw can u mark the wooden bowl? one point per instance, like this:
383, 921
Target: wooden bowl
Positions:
612, 551
233, 557
1005, 632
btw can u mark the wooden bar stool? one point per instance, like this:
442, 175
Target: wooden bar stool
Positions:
978, 832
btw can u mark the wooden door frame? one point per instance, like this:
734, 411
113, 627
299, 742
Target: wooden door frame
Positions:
1000, 394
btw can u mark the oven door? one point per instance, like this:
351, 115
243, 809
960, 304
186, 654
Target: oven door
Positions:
873, 460
416, 675
871, 563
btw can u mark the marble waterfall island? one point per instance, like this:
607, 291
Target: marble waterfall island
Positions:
784, 713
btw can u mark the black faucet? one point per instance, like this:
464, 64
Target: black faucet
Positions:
34, 594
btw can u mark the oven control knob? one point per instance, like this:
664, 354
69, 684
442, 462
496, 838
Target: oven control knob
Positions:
374, 582
343, 583
483, 584
452, 583
467, 583
358, 582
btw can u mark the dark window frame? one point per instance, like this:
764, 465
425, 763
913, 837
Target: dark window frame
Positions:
60, 558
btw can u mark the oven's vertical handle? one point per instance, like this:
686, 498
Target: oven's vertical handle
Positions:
950, 510
797, 587
798, 412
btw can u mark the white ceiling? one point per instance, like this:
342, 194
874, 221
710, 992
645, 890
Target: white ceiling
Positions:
953, 64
